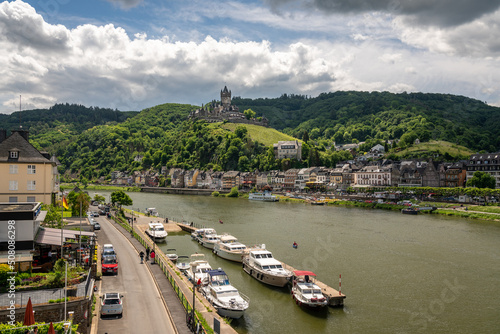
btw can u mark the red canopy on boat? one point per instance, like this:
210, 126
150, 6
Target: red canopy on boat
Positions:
303, 273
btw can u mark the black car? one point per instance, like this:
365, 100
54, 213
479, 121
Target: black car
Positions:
97, 226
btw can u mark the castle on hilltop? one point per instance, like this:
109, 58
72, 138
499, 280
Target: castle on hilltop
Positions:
224, 111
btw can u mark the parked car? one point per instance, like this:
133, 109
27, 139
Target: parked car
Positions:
106, 246
109, 265
108, 252
95, 214
97, 226
112, 304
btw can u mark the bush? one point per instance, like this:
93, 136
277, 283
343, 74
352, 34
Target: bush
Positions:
234, 192
215, 194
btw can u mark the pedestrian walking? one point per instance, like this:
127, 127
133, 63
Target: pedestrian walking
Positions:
147, 253
141, 254
152, 255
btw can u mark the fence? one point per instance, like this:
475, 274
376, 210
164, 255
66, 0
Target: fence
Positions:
44, 296
162, 262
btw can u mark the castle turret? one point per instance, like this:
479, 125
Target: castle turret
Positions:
225, 97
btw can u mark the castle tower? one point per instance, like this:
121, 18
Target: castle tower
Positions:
225, 97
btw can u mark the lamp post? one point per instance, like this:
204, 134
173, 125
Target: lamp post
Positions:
80, 239
132, 230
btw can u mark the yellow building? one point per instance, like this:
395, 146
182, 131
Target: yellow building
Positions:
27, 175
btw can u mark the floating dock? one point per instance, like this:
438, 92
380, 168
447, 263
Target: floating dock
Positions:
336, 298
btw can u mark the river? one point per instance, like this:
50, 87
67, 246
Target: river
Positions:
400, 273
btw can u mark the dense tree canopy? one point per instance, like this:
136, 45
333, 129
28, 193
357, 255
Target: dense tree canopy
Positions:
482, 180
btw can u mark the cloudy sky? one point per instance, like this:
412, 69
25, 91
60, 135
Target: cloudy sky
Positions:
133, 54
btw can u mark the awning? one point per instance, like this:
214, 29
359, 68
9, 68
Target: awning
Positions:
52, 236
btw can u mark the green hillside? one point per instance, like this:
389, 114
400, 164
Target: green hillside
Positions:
266, 136
434, 148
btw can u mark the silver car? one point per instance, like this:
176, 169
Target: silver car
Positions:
111, 304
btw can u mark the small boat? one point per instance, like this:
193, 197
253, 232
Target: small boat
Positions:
305, 292
409, 211
230, 248
261, 265
265, 196
156, 231
225, 298
199, 233
182, 263
171, 254
151, 212
198, 269
317, 203
209, 240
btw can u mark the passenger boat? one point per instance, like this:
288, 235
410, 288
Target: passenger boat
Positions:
182, 263
265, 196
171, 254
199, 233
157, 232
230, 248
261, 265
209, 240
225, 298
198, 269
305, 292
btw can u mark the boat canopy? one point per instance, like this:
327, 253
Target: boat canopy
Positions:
216, 272
303, 273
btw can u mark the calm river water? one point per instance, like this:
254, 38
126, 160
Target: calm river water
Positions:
401, 274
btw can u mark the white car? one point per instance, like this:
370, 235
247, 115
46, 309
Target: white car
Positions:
107, 246
112, 304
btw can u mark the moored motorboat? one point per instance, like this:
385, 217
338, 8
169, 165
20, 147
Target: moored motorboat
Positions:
182, 263
409, 211
198, 269
305, 292
151, 212
172, 254
261, 265
225, 298
199, 233
230, 248
209, 240
156, 231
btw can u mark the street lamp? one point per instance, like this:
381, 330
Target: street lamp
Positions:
132, 230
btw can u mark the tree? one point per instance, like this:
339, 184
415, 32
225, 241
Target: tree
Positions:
482, 180
305, 137
98, 198
53, 217
74, 200
233, 193
121, 198
241, 131
249, 113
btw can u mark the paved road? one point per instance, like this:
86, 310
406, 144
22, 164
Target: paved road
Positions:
144, 311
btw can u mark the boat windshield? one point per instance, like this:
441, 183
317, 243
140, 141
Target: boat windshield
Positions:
272, 266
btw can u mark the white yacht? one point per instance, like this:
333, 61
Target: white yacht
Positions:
305, 292
156, 231
198, 269
225, 298
265, 196
209, 240
199, 233
261, 265
151, 212
230, 248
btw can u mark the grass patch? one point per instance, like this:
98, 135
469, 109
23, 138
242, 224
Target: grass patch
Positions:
266, 136
439, 146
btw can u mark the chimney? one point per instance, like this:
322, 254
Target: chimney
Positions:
23, 133
3, 135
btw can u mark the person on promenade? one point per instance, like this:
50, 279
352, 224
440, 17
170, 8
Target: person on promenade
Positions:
141, 254
152, 255
147, 253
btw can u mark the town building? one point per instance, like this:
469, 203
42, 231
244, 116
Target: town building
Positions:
488, 163
28, 175
288, 150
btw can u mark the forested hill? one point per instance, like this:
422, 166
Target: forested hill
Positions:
345, 116
61, 121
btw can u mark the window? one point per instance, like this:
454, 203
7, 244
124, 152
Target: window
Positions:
13, 169
13, 199
31, 199
31, 169
13, 185
14, 154
31, 185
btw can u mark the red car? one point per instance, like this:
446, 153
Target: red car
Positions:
109, 265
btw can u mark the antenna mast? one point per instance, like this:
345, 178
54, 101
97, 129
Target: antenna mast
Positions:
20, 126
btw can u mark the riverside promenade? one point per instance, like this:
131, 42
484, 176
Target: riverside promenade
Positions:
170, 297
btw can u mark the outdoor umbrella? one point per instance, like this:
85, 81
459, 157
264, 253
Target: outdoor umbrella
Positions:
29, 317
51, 329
